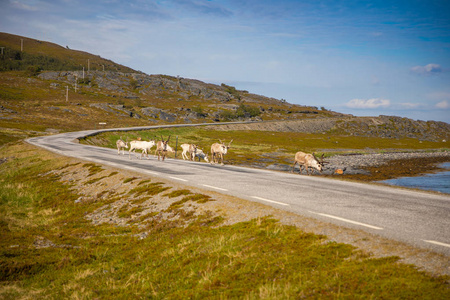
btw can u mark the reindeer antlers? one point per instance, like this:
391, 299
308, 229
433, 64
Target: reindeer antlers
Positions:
321, 161
162, 139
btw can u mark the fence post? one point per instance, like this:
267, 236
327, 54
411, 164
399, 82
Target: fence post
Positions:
176, 146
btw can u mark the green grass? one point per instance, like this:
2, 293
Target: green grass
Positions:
249, 260
264, 147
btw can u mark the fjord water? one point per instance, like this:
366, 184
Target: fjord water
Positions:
439, 182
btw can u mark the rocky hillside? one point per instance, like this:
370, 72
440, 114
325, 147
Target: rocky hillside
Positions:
44, 87
383, 126
175, 99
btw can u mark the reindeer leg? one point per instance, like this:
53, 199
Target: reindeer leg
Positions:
293, 167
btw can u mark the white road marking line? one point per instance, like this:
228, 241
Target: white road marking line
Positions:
348, 221
176, 178
437, 243
271, 201
152, 173
214, 187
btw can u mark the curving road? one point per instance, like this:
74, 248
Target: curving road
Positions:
419, 218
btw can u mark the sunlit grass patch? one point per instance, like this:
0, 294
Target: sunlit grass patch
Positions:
93, 168
125, 211
199, 198
113, 173
92, 181
144, 181
130, 179
172, 254
178, 193
150, 189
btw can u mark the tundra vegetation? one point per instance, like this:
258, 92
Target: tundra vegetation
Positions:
75, 229
50, 248
263, 148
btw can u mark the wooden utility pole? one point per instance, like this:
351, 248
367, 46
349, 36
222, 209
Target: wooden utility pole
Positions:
67, 93
21, 45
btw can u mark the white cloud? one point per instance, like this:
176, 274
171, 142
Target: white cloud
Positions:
408, 105
443, 105
370, 103
427, 70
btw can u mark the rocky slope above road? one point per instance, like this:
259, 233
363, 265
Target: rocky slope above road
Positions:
382, 126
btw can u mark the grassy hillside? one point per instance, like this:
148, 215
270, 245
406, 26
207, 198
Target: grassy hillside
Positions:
22, 53
71, 229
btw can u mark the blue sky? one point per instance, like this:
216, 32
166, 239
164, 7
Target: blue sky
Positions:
357, 57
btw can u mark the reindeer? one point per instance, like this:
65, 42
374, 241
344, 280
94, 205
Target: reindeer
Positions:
219, 150
308, 161
169, 149
189, 148
200, 154
162, 148
141, 145
121, 145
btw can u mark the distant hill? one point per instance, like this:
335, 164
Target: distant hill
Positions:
22, 53
44, 88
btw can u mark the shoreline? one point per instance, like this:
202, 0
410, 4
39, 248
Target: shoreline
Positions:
384, 166
370, 167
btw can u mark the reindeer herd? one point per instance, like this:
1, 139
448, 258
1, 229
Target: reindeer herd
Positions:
218, 150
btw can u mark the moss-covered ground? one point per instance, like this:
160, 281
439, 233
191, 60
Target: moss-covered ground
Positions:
262, 148
49, 249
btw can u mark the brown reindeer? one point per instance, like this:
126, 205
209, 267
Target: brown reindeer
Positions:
218, 151
308, 161
161, 148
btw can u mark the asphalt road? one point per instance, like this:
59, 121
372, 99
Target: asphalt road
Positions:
421, 219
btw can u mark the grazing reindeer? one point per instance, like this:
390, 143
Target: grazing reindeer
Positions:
141, 145
162, 148
121, 145
189, 148
200, 154
169, 149
218, 151
308, 161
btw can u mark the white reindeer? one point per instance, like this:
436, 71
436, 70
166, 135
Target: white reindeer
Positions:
162, 148
189, 148
218, 151
308, 161
121, 145
141, 145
